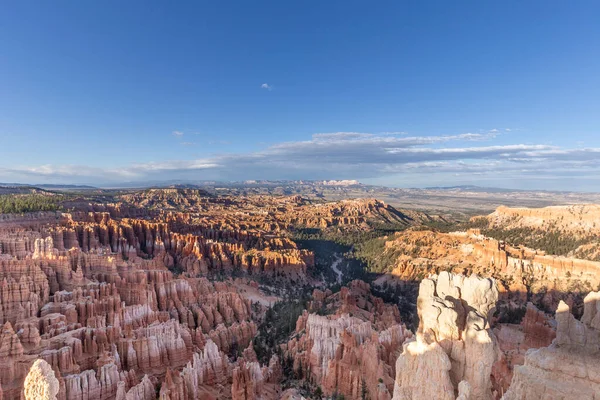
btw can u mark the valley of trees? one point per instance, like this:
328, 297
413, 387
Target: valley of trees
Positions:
20, 203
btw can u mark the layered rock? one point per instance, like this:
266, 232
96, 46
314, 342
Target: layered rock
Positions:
570, 367
521, 273
573, 218
350, 355
576, 223
454, 342
24, 289
117, 298
142, 391
209, 368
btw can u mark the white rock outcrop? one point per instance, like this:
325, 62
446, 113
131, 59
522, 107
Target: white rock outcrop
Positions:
455, 349
40, 383
570, 367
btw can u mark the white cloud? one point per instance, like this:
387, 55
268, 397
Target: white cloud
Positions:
177, 133
349, 155
266, 86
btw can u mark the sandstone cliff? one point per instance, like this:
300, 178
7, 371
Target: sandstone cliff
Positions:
573, 219
518, 271
574, 229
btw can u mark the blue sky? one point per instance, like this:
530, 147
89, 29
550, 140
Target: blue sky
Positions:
398, 93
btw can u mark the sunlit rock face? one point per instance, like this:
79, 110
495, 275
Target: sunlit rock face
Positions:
454, 349
93, 296
40, 383
570, 367
518, 270
127, 299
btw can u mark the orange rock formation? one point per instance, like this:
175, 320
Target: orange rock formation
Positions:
353, 350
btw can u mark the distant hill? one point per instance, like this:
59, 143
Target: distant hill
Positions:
474, 188
48, 186
22, 189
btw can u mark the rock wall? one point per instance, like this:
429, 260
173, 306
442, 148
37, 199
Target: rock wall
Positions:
518, 271
573, 219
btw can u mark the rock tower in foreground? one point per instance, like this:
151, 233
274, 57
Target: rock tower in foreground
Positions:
454, 349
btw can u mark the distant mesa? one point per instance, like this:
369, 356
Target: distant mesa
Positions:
341, 183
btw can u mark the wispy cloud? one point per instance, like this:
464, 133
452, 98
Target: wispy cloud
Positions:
352, 155
177, 133
266, 86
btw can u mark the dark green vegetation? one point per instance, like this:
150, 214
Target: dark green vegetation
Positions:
373, 253
552, 242
404, 295
20, 203
279, 323
552, 239
327, 250
22, 199
276, 328
347, 237
510, 314
364, 257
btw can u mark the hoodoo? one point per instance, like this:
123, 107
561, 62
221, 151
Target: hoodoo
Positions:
40, 382
454, 349
570, 367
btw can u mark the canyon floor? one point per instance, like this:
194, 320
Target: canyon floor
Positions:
298, 291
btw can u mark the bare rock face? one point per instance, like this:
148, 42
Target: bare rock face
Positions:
40, 383
535, 330
210, 368
572, 218
143, 391
454, 341
248, 382
349, 355
570, 367
518, 271
432, 360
